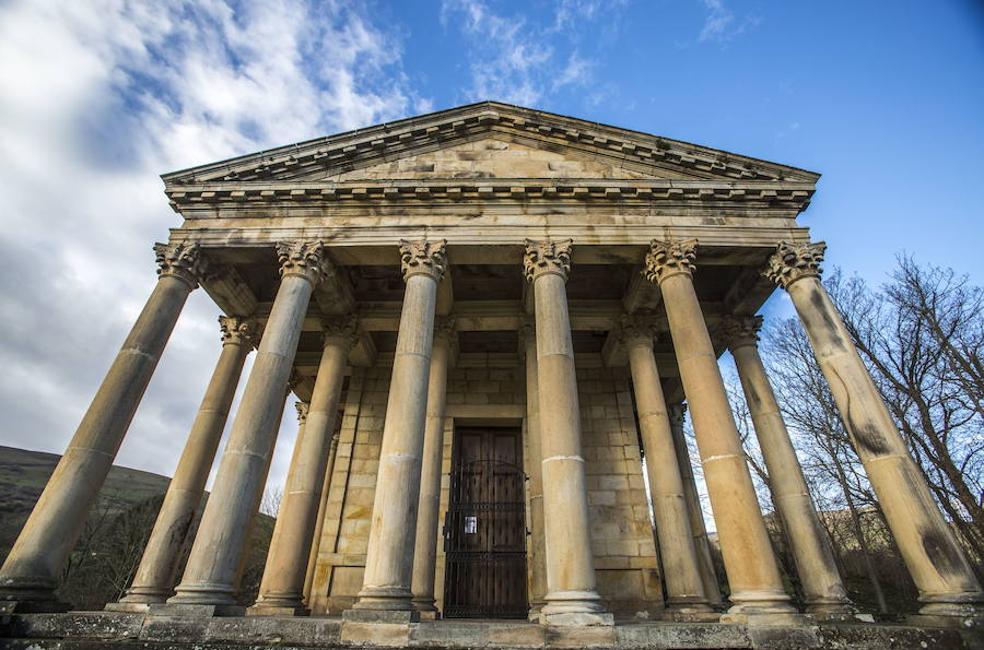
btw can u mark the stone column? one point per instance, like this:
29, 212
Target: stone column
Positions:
385, 593
429, 509
208, 586
708, 574
282, 592
32, 570
572, 597
753, 574
822, 587
681, 571
947, 585
320, 521
537, 543
154, 580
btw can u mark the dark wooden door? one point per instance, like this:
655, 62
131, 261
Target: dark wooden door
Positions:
485, 527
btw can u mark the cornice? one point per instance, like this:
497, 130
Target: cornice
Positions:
353, 149
794, 195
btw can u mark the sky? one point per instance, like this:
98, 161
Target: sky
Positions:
98, 98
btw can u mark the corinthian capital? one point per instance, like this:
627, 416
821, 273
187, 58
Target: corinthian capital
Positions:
678, 414
302, 411
548, 257
637, 330
304, 258
741, 330
667, 258
180, 260
423, 256
791, 262
344, 330
239, 331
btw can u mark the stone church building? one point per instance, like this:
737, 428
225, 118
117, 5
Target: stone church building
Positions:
496, 321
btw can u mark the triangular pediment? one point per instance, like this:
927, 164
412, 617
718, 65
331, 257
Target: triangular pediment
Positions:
496, 156
488, 140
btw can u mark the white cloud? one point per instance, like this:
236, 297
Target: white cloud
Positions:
577, 72
99, 99
720, 23
514, 59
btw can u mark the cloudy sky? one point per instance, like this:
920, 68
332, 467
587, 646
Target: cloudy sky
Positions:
98, 98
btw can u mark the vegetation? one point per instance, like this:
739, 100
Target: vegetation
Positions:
103, 563
921, 336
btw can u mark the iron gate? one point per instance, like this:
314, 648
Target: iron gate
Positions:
485, 541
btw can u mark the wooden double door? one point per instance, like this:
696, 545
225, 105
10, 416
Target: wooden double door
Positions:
485, 526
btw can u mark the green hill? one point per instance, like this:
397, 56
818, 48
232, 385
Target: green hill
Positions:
24, 473
116, 530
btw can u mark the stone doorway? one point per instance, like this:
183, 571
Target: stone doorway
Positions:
485, 526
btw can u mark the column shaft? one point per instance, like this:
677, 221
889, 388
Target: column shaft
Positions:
312, 565
947, 584
32, 570
753, 574
685, 590
154, 580
211, 573
282, 591
425, 546
572, 597
537, 541
389, 556
823, 590
708, 574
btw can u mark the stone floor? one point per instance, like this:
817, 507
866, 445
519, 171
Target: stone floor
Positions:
89, 630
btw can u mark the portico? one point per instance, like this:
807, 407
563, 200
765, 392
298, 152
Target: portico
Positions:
490, 316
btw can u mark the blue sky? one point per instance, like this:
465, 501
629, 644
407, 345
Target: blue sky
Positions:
100, 97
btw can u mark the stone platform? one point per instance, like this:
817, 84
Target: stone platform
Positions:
85, 630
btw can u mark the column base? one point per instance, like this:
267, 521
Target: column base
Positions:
277, 610
965, 611
427, 609
53, 606
30, 596
205, 594
384, 599
279, 604
763, 608
837, 611
534, 614
138, 599
574, 608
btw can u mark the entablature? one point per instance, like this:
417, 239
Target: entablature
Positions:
189, 200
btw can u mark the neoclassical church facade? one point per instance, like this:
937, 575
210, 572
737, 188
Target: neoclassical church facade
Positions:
489, 316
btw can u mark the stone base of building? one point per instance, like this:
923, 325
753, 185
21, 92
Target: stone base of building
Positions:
277, 610
195, 610
121, 631
129, 608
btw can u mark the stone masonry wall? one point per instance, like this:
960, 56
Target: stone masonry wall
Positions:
489, 390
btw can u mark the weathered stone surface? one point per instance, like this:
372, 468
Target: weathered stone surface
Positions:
84, 630
463, 195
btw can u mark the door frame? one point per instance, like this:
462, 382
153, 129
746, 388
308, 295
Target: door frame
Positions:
453, 427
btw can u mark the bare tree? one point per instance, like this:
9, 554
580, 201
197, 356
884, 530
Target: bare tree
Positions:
921, 338
834, 474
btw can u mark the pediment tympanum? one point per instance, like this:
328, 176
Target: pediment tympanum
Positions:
497, 157
489, 140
